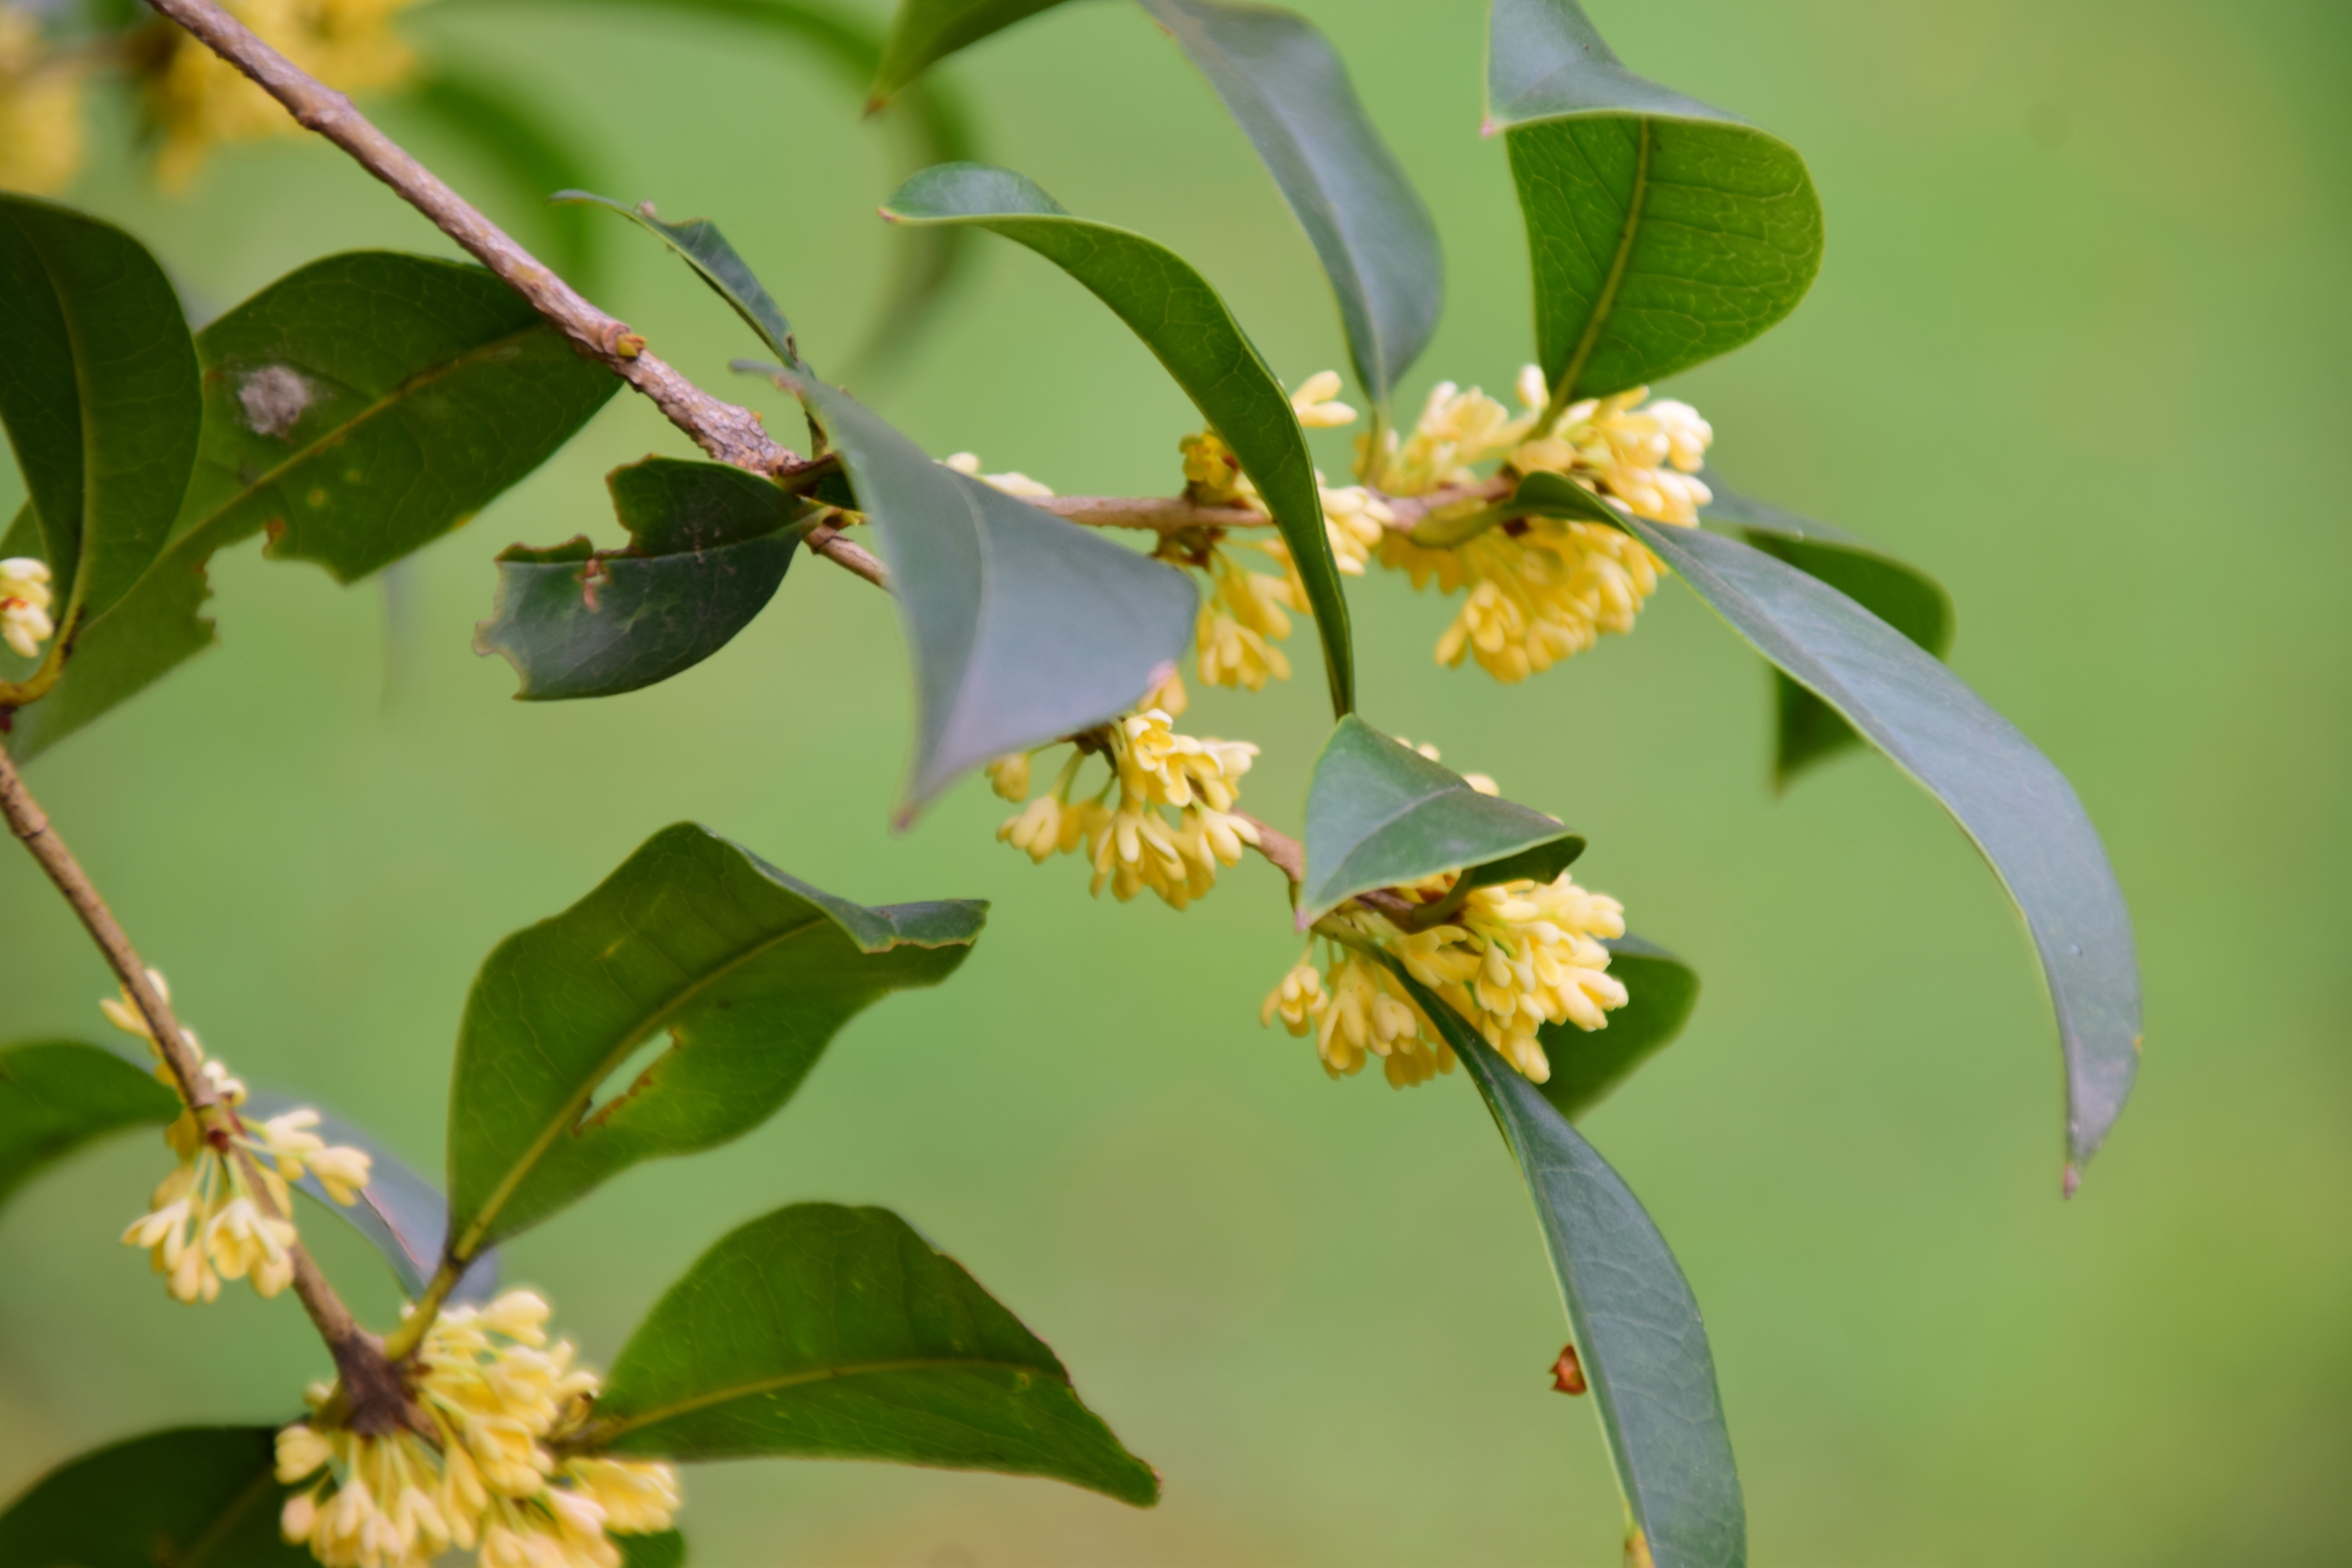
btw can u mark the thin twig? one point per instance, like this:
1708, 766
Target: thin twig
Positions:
373, 1388
1179, 514
1279, 847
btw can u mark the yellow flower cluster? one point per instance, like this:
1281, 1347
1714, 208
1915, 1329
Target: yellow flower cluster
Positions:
40, 109
1134, 845
494, 1394
24, 600
204, 1224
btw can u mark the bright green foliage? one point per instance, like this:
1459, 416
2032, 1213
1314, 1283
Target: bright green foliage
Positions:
1286, 85
1023, 627
1181, 320
2015, 806
195, 1497
1635, 1325
708, 546
535, 158
828, 1332
1661, 232
924, 32
698, 242
749, 971
357, 408
1379, 815
97, 390
58, 1095
1587, 1066
1898, 594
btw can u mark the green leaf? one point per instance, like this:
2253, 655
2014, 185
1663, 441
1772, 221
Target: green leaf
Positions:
698, 242
1539, 494
1661, 232
749, 971
1285, 84
1181, 319
536, 160
358, 408
58, 1095
709, 546
1898, 594
2014, 805
1586, 1066
1023, 627
665, 1550
1379, 815
195, 1497
822, 1331
97, 390
925, 32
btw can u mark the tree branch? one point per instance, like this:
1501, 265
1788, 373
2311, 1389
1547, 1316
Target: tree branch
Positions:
1177, 514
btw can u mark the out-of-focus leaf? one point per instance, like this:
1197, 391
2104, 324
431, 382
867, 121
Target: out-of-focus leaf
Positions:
1286, 85
1896, 592
709, 545
829, 1332
195, 1497
357, 408
1661, 991
1379, 813
664, 1550
536, 159
698, 242
1635, 1325
2015, 806
1023, 627
1184, 323
58, 1095
1661, 232
97, 391
925, 32
749, 971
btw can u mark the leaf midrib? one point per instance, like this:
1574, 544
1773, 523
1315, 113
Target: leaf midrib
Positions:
1606, 302
784, 1380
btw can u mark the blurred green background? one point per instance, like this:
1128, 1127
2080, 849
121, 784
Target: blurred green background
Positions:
2077, 347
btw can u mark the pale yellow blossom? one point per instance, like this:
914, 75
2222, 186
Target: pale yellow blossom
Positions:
24, 598
41, 143
1316, 402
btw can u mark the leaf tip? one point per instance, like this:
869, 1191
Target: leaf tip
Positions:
1490, 126
2071, 1182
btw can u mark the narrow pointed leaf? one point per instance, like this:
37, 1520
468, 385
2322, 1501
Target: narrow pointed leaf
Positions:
749, 971
195, 1497
358, 408
2015, 806
97, 391
1588, 1065
536, 159
1661, 232
58, 1095
821, 1331
1896, 592
1023, 627
704, 248
925, 32
1183, 323
1282, 81
1635, 1322
1380, 813
709, 546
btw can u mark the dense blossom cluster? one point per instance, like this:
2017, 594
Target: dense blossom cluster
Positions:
205, 1222
493, 1397
24, 598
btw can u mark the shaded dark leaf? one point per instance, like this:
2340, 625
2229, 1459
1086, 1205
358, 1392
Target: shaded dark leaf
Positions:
195, 1497
1587, 1066
58, 1095
665, 1550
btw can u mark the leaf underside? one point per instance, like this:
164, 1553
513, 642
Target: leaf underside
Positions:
195, 1497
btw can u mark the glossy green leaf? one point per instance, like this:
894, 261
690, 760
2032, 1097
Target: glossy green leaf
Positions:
1661, 232
1181, 320
58, 1095
1635, 1322
749, 971
925, 32
821, 1331
2014, 805
97, 391
357, 409
698, 242
1586, 1066
708, 547
1898, 594
195, 1497
1023, 627
536, 159
1379, 815
1282, 81
664, 1550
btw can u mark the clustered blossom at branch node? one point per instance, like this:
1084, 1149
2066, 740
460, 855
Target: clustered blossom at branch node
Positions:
494, 1398
204, 1224
25, 598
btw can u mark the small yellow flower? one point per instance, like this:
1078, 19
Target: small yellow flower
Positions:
1316, 402
40, 119
25, 598
1213, 475
1009, 776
